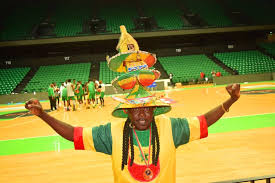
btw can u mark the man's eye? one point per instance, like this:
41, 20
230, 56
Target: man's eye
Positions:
135, 109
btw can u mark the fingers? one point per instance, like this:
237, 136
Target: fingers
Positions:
233, 86
229, 86
234, 90
29, 103
238, 86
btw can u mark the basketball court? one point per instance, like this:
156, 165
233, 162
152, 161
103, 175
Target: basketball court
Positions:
240, 145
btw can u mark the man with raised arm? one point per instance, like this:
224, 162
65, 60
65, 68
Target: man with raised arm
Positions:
143, 147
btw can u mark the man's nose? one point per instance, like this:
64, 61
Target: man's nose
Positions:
142, 114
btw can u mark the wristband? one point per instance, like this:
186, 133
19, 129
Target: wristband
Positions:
224, 109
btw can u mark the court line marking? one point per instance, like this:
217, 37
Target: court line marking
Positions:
18, 124
248, 115
12, 108
60, 136
224, 94
257, 86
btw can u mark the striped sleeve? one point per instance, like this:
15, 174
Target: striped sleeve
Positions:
185, 130
97, 139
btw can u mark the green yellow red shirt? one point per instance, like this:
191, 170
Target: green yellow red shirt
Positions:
173, 132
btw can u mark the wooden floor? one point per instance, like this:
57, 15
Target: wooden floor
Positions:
221, 156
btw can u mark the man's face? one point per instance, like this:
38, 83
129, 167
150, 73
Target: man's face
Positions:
142, 117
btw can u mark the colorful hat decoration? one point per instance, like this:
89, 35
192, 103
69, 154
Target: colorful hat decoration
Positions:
135, 64
128, 81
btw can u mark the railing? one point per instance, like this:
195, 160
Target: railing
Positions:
251, 179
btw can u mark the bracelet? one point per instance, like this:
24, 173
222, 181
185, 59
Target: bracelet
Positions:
224, 109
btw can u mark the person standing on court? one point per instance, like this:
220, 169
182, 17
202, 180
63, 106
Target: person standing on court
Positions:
52, 97
70, 95
143, 144
91, 93
102, 92
64, 96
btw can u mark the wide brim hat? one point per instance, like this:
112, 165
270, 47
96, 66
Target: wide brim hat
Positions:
140, 97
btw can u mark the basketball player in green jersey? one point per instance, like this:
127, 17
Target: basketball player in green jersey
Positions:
64, 96
80, 92
91, 93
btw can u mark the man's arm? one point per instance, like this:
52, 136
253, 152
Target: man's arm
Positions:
216, 113
63, 129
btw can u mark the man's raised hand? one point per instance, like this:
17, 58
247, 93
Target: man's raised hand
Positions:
34, 106
234, 91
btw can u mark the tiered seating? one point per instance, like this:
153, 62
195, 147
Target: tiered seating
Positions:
105, 74
210, 11
18, 25
166, 13
118, 14
269, 47
187, 68
246, 62
58, 73
260, 12
70, 18
10, 78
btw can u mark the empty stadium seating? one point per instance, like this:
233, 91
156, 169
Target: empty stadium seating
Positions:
246, 62
58, 73
70, 18
259, 12
269, 47
209, 11
118, 14
10, 78
166, 14
187, 68
19, 22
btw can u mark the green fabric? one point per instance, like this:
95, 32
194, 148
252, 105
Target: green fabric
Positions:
102, 138
143, 137
81, 92
117, 60
64, 92
180, 131
50, 92
91, 87
71, 98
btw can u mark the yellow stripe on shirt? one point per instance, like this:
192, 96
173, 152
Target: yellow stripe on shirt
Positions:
194, 127
88, 139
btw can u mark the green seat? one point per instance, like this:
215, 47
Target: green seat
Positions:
247, 62
58, 73
188, 67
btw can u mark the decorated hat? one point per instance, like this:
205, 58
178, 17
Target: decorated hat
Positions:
129, 57
138, 75
143, 77
140, 97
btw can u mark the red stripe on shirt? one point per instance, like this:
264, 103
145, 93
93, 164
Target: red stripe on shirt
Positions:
78, 139
203, 126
